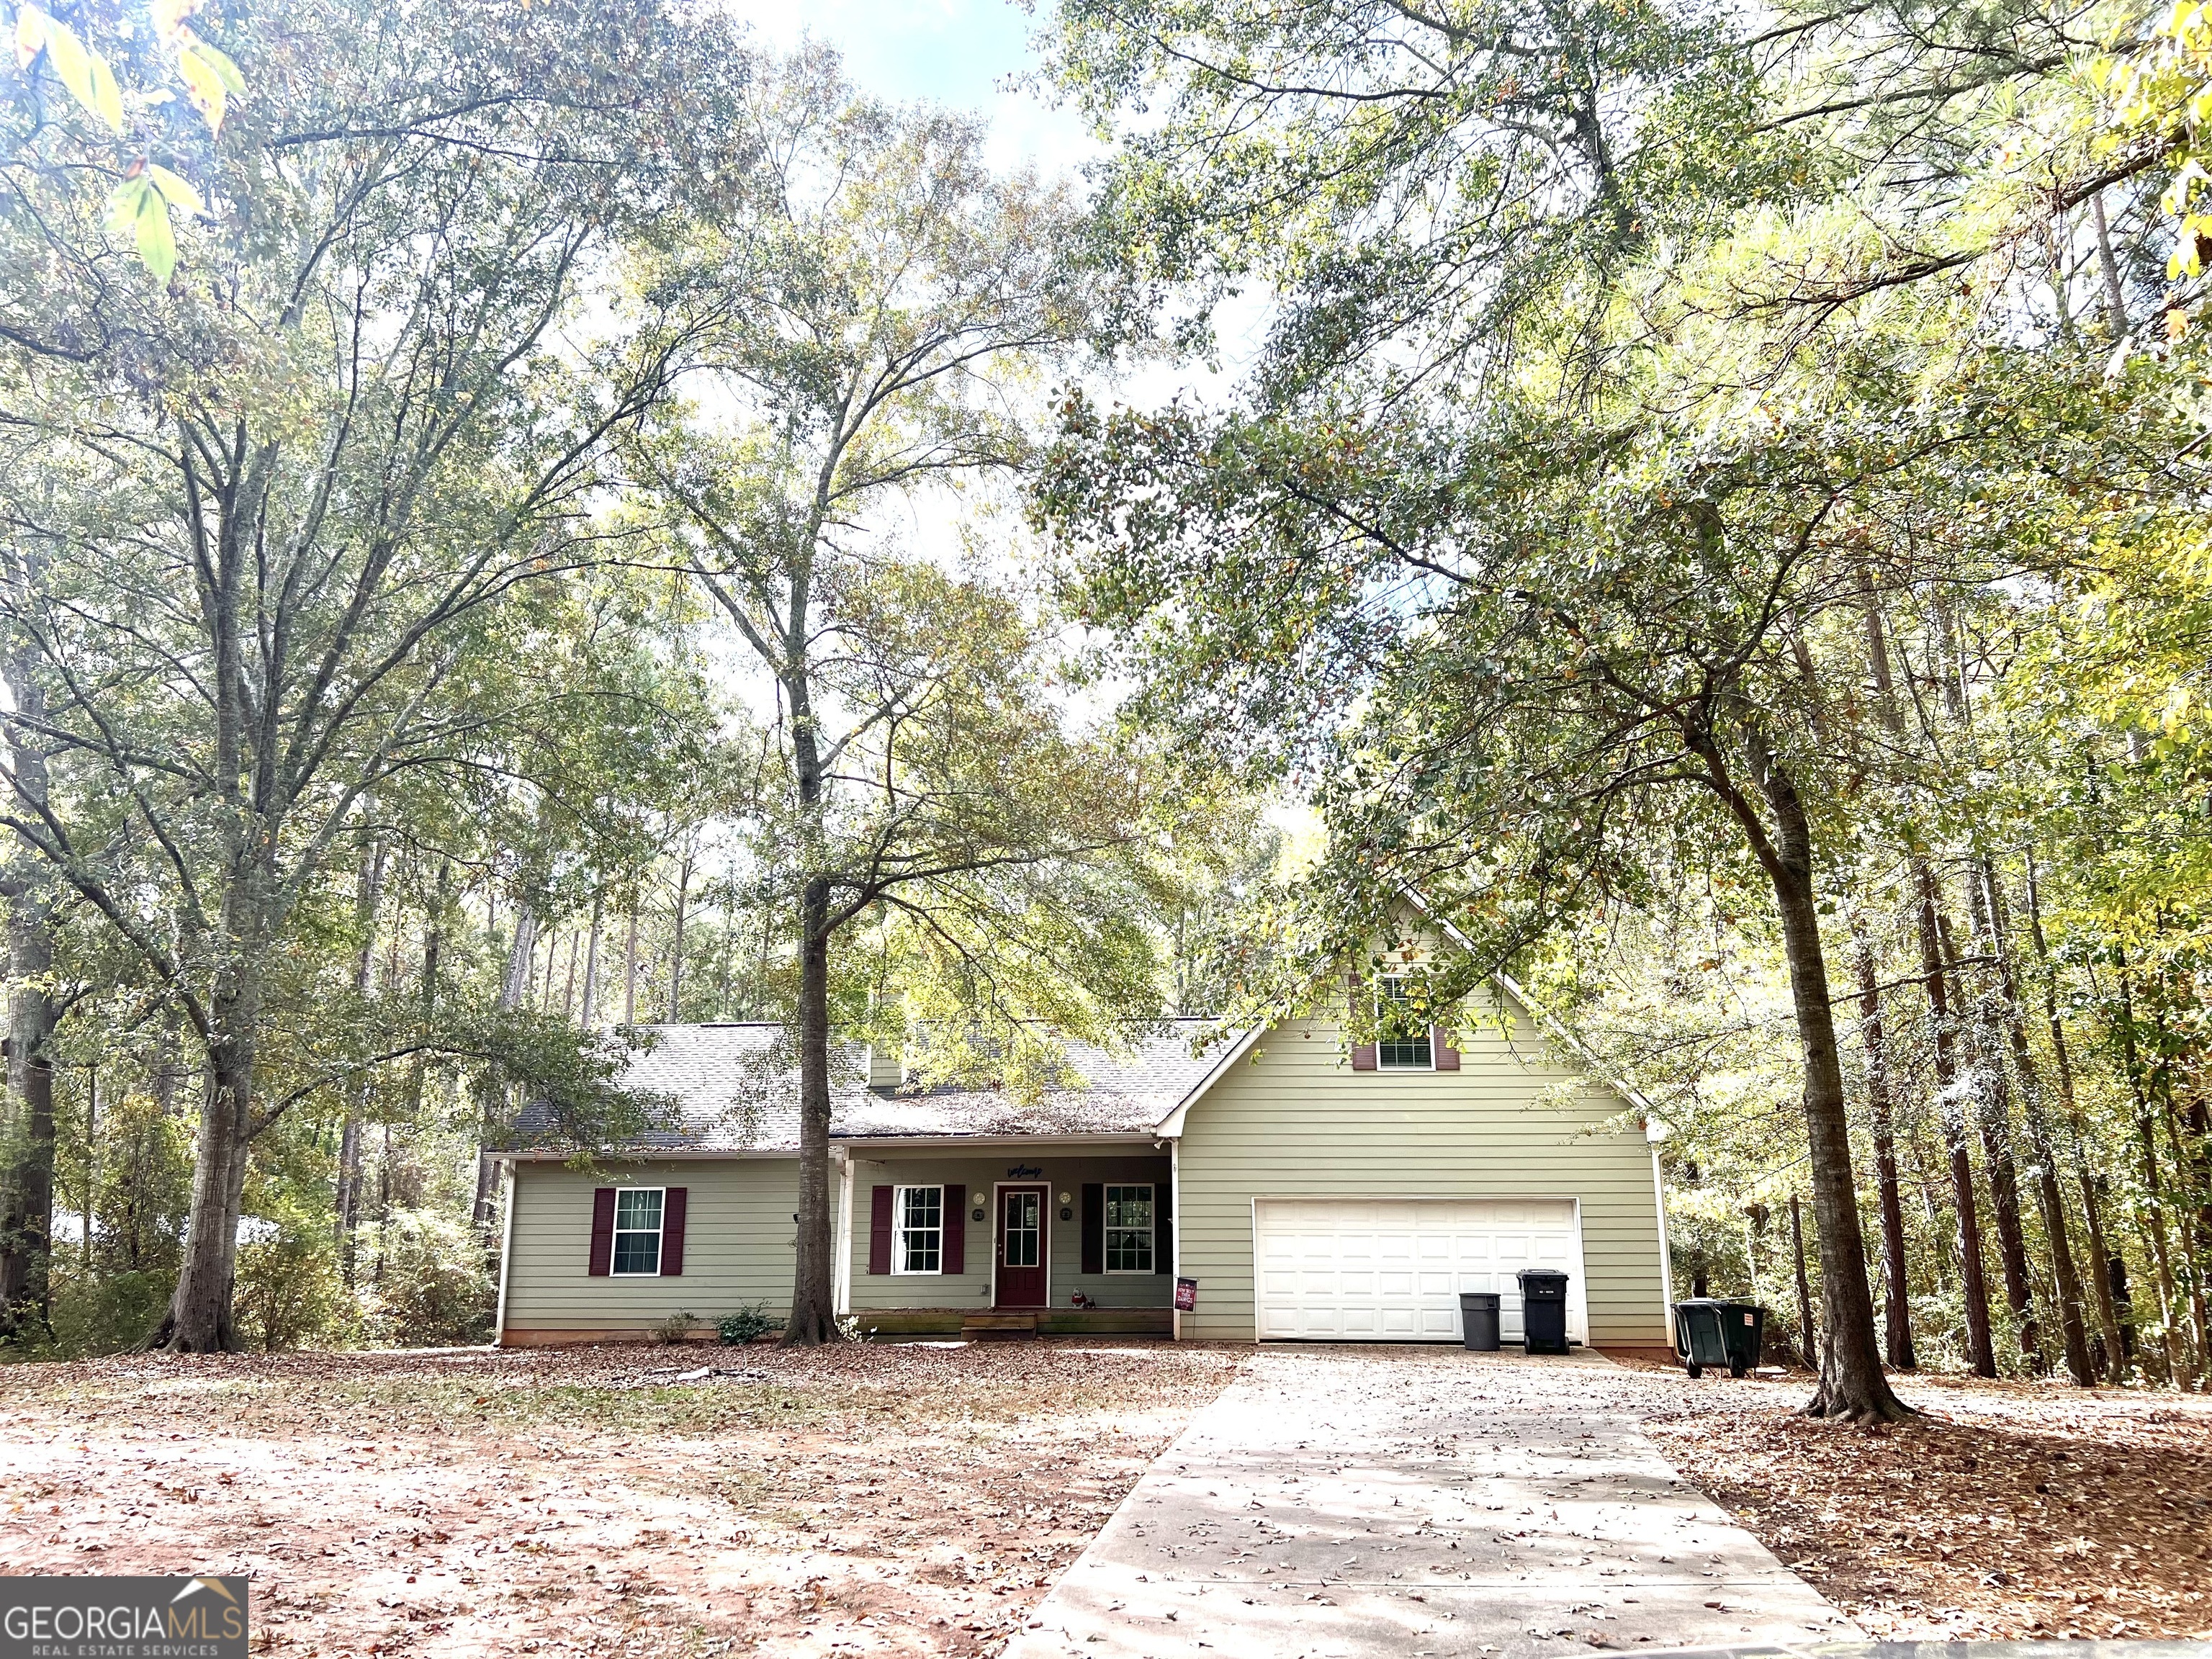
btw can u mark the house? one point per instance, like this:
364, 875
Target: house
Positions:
1311, 1190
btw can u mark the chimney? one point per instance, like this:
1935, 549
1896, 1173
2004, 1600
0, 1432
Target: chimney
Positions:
886, 1066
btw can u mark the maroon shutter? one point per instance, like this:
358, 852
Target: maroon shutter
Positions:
1447, 1056
1094, 1226
955, 1259
674, 1201
603, 1231
1163, 1228
879, 1232
1362, 1053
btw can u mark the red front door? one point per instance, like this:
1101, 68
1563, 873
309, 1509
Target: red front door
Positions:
1021, 1247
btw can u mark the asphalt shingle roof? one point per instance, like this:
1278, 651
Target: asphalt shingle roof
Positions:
736, 1089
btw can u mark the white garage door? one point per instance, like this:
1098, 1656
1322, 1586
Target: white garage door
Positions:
1390, 1270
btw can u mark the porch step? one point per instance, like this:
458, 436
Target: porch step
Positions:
996, 1326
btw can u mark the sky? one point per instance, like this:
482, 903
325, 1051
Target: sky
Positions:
964, 54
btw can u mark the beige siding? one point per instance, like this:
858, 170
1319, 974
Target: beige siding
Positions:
1296, 1121
1062, 1173
737, 1246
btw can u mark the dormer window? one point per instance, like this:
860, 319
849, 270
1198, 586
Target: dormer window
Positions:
1403, 1039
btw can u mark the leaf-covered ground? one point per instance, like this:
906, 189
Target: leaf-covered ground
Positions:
919, 1499
860, 1500
2009, 1509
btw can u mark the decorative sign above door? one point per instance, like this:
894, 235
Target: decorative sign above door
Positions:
1024, 1171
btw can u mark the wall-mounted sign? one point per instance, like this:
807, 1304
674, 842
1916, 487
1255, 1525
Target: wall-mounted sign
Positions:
1024, 1172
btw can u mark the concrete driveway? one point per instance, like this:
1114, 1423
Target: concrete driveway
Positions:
1346, 1501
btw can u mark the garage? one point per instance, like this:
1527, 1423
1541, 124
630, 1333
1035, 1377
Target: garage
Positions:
1390, 1270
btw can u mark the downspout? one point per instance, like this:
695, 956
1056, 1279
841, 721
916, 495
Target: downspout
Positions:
1654, 1133
1175, 1209
505, 1249
842, 1281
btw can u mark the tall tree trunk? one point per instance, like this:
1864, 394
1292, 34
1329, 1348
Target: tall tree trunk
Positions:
2116, 299
813, 1303
26, 1227
491, 1104
1804, 1290
813, 1316
1852, 1386
86, 1239
629, 968
1992, 1096
569, 987
589, 1018
676, 952
27, 1130
2077, 1135
2187, 1209
1897, 1303
2050, 1203
199, 1318
1981, 1351
2152, 1220
347, 1208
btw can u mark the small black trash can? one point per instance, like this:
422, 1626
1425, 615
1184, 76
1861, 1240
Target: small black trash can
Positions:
1711, 1330
1477, 1320
1543, 1310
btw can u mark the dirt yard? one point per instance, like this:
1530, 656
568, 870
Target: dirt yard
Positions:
2010, 1509
860, 1500
919, 1500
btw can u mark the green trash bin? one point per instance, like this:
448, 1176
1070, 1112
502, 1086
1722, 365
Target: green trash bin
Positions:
1710, 1330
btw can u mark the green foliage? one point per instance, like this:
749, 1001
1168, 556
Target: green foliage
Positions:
748, 1324
433, 1285
288, 1289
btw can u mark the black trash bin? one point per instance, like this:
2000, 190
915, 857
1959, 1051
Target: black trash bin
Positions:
1543, 1310
1711, 1330
1477, 1320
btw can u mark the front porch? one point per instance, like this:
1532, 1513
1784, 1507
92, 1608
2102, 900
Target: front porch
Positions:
1058, 1239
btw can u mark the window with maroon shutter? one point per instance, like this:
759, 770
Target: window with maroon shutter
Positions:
879, 1231
603, 1231
1094, 1226
1447, 1056
1362, 1053
671, 1231
1164, 1219
956, 1229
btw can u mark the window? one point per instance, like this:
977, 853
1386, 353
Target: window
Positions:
637, 1230
1129, 1229
1402, 1037
918, 1230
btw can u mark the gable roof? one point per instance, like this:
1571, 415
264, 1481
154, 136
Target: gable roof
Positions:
735, 1090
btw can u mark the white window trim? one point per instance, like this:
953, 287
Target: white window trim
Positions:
1381, 1043
1152, 1231
899, 1231
659, 1236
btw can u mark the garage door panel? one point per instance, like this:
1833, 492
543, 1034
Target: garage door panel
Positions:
1368, 1270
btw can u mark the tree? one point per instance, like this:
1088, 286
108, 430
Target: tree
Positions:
279, 502
865, 321
1568, 646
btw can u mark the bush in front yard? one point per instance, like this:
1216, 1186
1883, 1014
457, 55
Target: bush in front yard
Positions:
745, 1325
432, 1287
